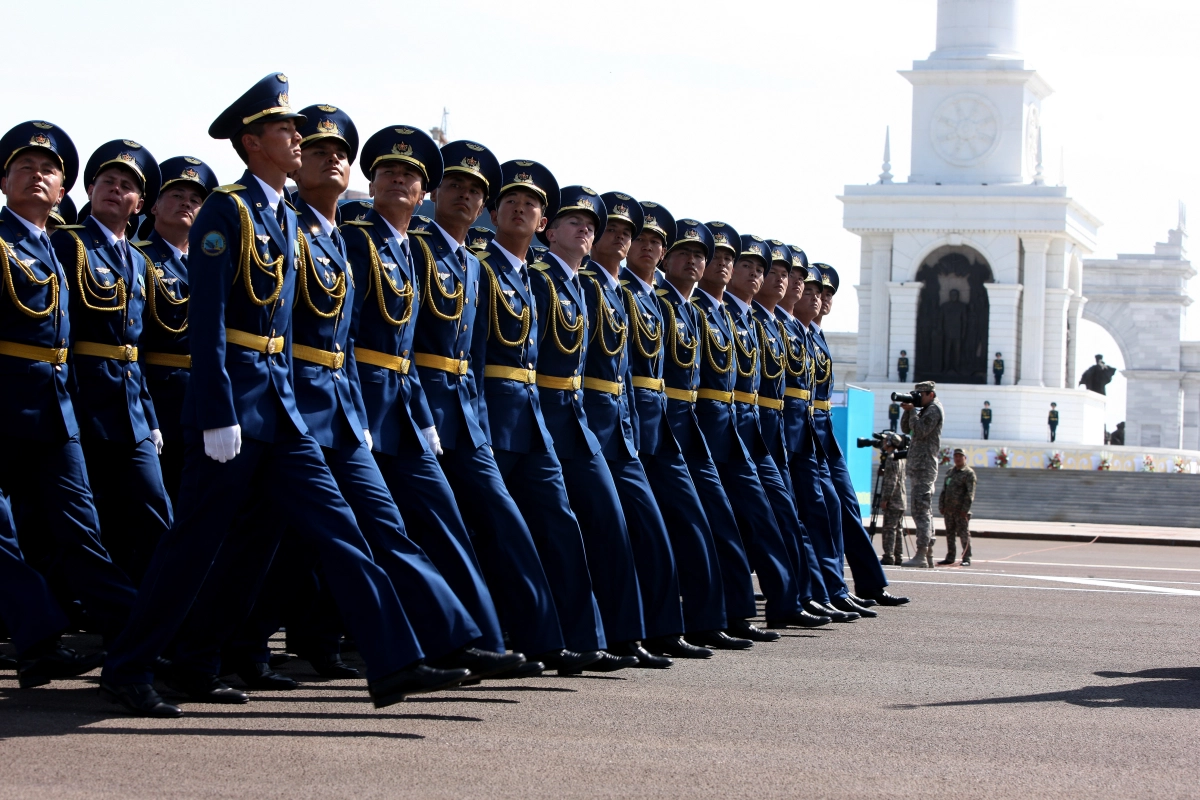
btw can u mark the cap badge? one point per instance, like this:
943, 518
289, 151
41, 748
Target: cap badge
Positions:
721, 238
621, 208
689, 222
132, 144
650, 205
402, 149
620, 196
281, 77
190, 174
470, 163
778, 254
327, 109
584, 202
191, 160
691, 233
587, 190
43, 125
650, 221
523, 163
523, 177
283, 99
405, 131
757, 238
39, 140
478, 148
479, 243
796, 262
757, 250
328, 126
716, 224
126, 157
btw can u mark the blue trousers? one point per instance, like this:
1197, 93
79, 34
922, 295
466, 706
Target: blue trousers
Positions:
28, 610
808, 579
696, 560
506, 550
131, 499
786, 554
811, 483
47, 483
731, 553
431, 516
168, 390
441, 623
291, 477
540, 493
858, 550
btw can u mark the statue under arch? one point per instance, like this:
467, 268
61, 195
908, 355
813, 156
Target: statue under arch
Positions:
952, 319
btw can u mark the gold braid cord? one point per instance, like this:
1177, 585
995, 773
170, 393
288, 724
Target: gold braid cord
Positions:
678, 337
606, 318
822, 363
641, 331
804, 370
375, 280
558, 317
336, 293
154, 285
710, 343
8, 258
89, 287
769, 358
248, 252
749, 355
498, 299
458, 297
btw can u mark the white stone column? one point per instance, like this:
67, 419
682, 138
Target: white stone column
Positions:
1074, 317
1003, 299
903, 318
877, 367
1033, 311
1154, 407
1055, 350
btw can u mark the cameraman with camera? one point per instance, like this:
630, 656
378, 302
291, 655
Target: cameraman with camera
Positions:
922, 420
891, 497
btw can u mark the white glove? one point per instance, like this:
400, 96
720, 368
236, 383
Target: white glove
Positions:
222, 444
369, 440
156, 440
431, 438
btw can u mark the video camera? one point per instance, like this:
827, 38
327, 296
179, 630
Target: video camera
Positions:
907, 397
898, 441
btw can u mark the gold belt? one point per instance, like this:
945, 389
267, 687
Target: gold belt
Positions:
799, 394
686, 395
29, 352
565, 384
323, 357
746, 397
770, 402
610, 387
653, 384
713, 394
262, 344
167, 360
119, 352
822, 405
510, 373
378, 359
452, 365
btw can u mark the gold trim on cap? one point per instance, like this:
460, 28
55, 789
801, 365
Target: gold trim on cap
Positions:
398, 157
267, 113
122, 162
45, 147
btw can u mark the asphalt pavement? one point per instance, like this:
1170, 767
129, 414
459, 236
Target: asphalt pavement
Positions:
1046, 669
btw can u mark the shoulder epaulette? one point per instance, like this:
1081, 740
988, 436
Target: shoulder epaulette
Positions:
481, 253
540, 266
291, 205
362, 223
230, 188
70, 227
419, 231
141, 243
661, 292
587, 272
624, 283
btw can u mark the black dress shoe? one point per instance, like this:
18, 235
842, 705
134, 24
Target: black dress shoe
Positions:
819, 610
851, 607
865, 602
329, 665
800, 619
417, 679
7, 662
277, 660
759, 597
54, 663
611, 663
744, 629
528, 669
720, 640
481, 663
676, 646
568, 662
205, 688
260, 676
884, 598
139, 699
646, 660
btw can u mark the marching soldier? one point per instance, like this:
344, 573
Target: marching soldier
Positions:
985, 418
997, 369
163, 349
121, 436
902, 367
246, 441
954, 504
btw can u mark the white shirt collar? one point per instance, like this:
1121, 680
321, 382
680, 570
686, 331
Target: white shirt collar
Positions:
397, 235
174, 250
34, 229
450, 240
273, 197
606, 276
786, 313
743, 306
679, 294
112, 237
517, 263
716, 302
570, 273
326, 225
648, 287
815, 327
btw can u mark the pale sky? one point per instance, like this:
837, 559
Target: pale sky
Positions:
755, 113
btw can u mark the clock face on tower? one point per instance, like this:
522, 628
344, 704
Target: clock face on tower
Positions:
965, 129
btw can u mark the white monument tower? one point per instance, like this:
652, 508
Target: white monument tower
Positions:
975, 255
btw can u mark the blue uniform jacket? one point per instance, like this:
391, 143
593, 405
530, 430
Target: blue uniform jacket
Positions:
681, 367
611, 417
747, 354
652, 431
823, 390
798, 423
329, 398
35, 402
562, 353
164, 328
772, 378
507, 310
232, 384
396, 409
446, 329
718, 372
107, 298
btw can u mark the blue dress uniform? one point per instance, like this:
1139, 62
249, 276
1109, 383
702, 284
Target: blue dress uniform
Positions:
681, 378
860, 555
28, 610
107, 278
42, 470
163, 346
563, 345
243, 279
384, 321
449, 347
612, 416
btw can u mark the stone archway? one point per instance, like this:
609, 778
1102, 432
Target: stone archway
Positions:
953, 312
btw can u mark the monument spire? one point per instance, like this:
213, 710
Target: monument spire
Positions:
886, 175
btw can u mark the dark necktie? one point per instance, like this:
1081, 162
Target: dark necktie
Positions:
281, 215
338, 242
462, 258
407, 255
183, 259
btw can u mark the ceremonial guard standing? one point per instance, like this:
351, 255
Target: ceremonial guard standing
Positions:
163, 349
985, 419
121, 437
902, 366
998, 368
247, 443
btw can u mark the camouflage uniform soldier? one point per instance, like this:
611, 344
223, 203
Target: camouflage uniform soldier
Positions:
891, 494
955, 505
924, 424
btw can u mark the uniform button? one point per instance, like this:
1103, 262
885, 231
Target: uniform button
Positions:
461, 353
337, 347
404, 352
530, 365
57, 368
128, 373
337, 377
464, 327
